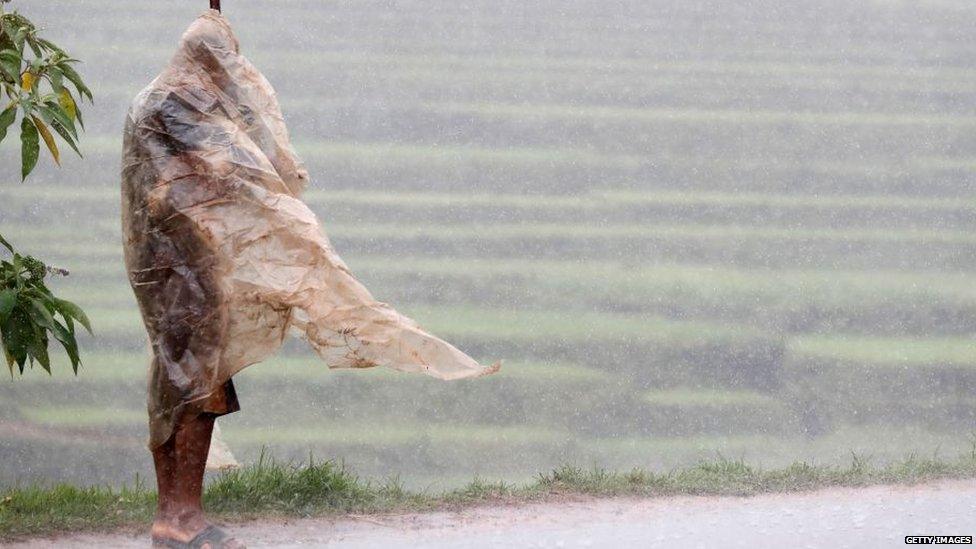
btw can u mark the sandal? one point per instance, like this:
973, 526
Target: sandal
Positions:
211, 534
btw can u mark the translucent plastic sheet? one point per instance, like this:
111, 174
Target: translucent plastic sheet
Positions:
223, 256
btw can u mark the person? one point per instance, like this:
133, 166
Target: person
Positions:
224, 259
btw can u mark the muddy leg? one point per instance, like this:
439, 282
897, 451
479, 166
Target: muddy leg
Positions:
180, 464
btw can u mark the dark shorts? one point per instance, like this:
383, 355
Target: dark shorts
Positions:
223, 401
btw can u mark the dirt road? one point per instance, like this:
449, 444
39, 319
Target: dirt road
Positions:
864, 517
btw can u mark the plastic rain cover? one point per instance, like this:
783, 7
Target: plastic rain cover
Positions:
223, 256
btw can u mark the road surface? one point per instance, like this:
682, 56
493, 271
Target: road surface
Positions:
844, 517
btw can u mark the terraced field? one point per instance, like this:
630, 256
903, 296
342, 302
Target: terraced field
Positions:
688, 228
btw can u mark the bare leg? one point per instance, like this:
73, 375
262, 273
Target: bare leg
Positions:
180, 464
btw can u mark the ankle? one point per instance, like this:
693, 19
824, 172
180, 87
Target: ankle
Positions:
181, 517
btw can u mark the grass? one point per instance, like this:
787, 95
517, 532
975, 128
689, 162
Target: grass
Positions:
581, 66
959, 351
399, 433
529, 231
520, 325
699, 116
709, 398
95, 195
272, 489
535, 231
83, 416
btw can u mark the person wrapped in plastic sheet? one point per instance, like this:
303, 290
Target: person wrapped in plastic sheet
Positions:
223, 256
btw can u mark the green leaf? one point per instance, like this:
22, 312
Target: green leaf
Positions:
37, 348
50, 45
67, 340
66, 136
11, 361
52, 111
8, 298
70, 310
5, 244
6, 31
9, 357
7, 118
77, 111
40, 314
30, 146
70, 74
16, 336
10, 62
19, 38
35, 47
56, 77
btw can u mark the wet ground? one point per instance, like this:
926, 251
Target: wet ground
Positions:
862, 517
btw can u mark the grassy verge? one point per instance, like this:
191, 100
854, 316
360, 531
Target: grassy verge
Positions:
272, 489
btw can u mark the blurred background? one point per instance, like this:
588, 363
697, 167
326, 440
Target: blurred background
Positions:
691, 229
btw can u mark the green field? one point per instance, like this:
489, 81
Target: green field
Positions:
689, 233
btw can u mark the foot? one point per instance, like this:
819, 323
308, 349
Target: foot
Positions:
182, 531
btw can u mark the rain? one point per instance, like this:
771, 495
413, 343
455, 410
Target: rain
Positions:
689, 231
